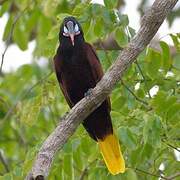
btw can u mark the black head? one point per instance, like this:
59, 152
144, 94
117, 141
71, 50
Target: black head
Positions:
71, 32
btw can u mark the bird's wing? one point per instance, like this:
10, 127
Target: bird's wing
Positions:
95, 66
61, 82
94, 63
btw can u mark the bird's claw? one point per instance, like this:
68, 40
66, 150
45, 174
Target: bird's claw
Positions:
88, 93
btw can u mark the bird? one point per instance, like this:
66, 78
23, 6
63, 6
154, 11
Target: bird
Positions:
78, 70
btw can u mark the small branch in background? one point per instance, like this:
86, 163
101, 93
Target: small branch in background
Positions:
8, 41
151, 174
2, 2
4, 102
10, 111
136, 97
107, 55
171, 146
85, 171
158, 176
144, 78
108, 44
4, 161
173, 176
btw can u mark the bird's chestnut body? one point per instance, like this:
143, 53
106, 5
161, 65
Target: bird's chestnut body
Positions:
77, 75
78, 69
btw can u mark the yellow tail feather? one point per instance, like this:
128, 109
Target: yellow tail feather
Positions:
112, 155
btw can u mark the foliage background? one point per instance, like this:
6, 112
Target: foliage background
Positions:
31, 103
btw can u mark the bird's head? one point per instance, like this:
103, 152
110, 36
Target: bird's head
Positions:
71, 31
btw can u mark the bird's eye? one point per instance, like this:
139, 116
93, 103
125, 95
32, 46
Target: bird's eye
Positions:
65, 30
76, 28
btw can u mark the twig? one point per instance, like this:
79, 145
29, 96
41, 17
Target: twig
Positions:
4, 102
107, 55
151, 174
144, 78
150, 24
136, 97
10, 36
84, 172
158, 176
24, 95
170, 145
4, 162
173, 176
2, 2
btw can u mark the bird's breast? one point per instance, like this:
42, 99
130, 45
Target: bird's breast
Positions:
78, 78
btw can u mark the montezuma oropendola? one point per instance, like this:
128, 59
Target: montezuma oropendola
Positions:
78, 69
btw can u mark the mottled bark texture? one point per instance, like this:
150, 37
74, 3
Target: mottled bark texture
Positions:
150, 23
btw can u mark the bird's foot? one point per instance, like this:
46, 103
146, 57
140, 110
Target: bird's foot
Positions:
66, 113
89, 92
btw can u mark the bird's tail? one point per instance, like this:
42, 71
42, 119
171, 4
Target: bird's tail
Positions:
111, 153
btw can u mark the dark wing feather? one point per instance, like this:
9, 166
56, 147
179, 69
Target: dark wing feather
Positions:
94, 63
96, 67
60, 80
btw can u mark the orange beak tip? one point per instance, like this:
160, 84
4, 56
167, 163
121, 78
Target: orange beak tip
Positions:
72, 39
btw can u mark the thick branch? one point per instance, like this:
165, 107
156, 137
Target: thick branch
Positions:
150, 23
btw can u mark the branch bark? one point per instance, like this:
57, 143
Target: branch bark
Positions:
150, 23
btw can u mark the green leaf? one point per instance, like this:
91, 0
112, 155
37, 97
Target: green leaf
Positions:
33, 20
30, 111
49, 7
152, 131
20, 35
110, 4
131, 174
131, 31
153, 63
173, 113
118, 103
7, 176
135, 156
176, 41
78, 158
30, 156
68, 166
121, 37
98, 30
60, 17
8, 28
176, 61
124, 20
18, 172
162, 102
53, 33
127, 138
147, 152
80, 8
4, 8
166, 59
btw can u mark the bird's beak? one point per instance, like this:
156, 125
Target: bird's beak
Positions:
72, 38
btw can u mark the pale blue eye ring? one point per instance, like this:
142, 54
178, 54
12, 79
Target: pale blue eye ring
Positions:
65, 30
76, 28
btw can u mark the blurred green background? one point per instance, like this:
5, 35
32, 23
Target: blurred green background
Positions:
145, 105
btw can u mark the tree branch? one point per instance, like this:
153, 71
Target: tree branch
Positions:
158, 176
4, 161
150, 23
8, 41
133, 94
2, 2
